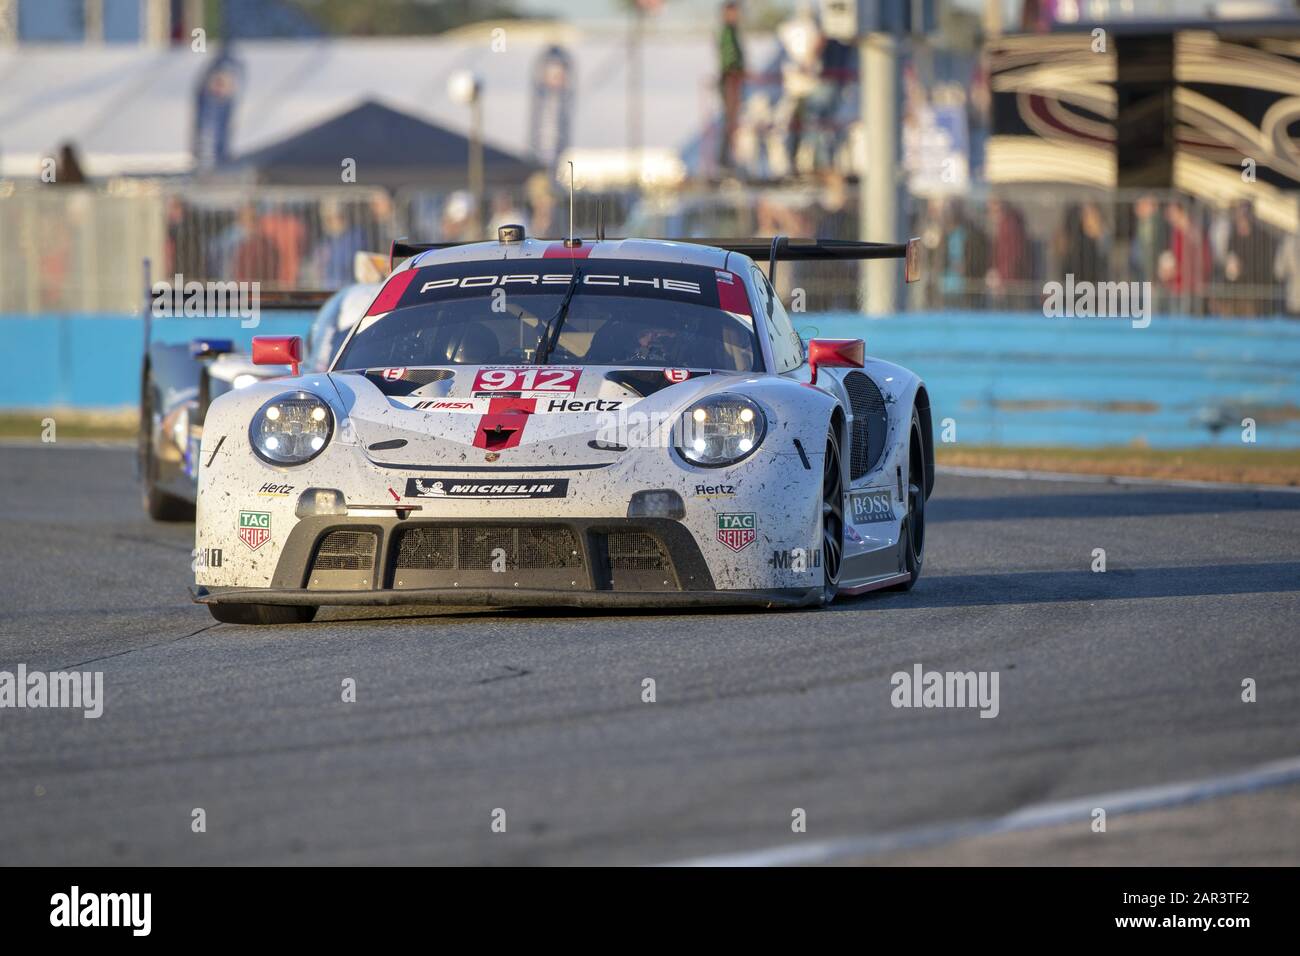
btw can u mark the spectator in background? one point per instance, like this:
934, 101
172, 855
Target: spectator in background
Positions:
1010, 260
731, 73
458, 217
286, 232
1148, 239
964, 256
332, 257
1185, 265
1286, 269
839, 69
1248, 265
541, 203
927, 224
505, 211
255, 258
801, 40
1079, 243
185, 246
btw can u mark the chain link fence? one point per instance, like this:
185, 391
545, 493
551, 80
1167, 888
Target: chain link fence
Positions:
79, 249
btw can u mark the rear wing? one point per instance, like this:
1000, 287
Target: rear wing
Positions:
785, 249
775, 248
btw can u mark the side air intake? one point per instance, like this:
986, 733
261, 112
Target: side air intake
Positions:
870, 422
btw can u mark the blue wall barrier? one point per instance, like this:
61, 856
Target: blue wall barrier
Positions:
1022, 379
93, 361
1009, 379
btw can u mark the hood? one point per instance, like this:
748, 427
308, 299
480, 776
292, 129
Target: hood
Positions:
534, 415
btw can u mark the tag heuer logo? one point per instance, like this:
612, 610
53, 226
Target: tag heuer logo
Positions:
254, 528
737, 531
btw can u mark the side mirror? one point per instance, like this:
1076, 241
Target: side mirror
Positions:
277, 350
835, 353
210, 348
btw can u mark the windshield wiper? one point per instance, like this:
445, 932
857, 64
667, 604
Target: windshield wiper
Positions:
550, 333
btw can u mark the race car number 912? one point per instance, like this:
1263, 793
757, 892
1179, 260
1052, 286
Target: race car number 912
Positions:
528, 379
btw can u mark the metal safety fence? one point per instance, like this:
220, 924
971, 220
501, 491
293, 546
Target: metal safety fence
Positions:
65, 248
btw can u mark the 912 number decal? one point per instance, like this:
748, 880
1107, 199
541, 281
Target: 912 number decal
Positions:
527, 379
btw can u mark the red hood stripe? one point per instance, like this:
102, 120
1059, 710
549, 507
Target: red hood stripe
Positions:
392, 292
503, 424
731, 295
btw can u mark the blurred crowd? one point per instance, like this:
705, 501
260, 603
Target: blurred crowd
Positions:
992, 251
997, 253
297, 240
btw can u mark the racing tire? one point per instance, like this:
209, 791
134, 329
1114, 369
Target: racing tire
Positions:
263, 613
158, 504
832, 543
913, 528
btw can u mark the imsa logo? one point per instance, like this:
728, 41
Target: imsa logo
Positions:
737, 531
254, 528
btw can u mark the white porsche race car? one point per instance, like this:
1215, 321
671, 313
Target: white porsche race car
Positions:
599, 423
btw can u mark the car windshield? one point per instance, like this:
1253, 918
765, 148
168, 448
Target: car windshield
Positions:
623, 312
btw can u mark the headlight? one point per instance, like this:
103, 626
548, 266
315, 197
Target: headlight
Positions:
291, 428
720, 430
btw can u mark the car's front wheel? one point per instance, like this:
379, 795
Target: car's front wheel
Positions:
832, 543
263, 613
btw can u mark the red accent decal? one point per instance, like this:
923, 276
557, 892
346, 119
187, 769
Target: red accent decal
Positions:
396, 496
500, 406
677, 374
391, 293
558, 250
731, 296
393, 374
503, 425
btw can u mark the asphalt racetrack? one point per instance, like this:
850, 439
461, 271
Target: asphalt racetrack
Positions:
1111, 686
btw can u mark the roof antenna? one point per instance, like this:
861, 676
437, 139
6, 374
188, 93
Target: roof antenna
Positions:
600, 220
571, 242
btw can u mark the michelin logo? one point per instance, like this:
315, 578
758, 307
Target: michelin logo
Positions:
460, 488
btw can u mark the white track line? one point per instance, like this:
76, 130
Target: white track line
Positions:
962, 471
1274, 774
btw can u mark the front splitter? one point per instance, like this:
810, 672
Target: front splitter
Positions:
513, 597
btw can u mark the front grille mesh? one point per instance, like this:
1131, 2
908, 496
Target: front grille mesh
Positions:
635, 551
487, 549
427, 549
346, 551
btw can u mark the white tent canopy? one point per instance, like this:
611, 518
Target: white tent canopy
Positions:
129, 110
